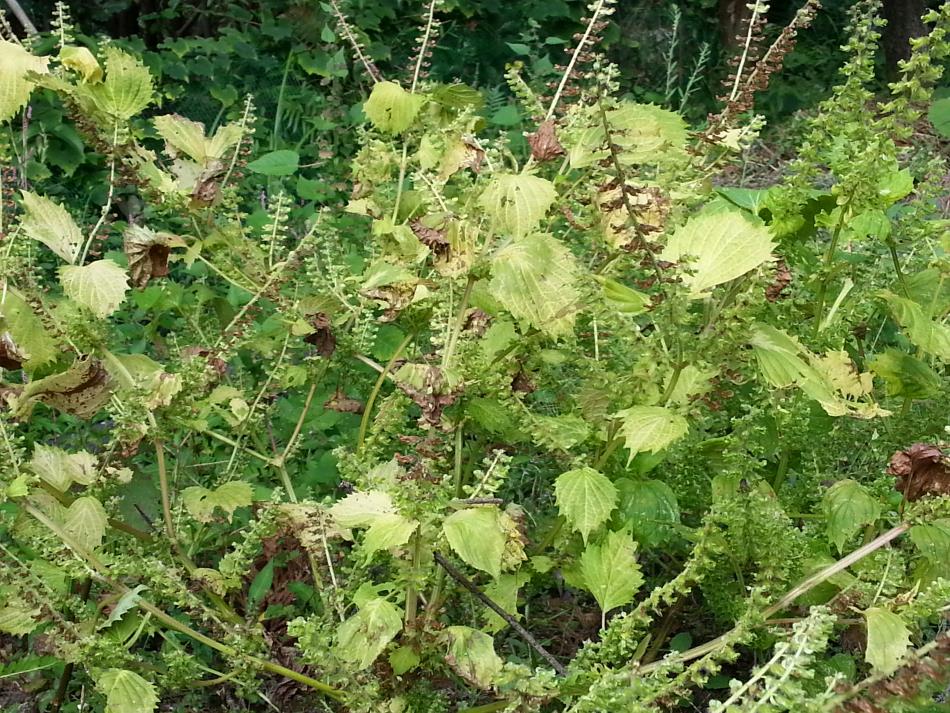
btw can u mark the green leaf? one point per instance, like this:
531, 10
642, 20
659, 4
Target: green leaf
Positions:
476, 536
99, 286
260, 586
18, 618
516, 202
933, 541
650, 428
533, 278
362, 508
127, 88
585, 498
472, 655
623, 298
559, 432
726, 243
391, 108
848, 508
126, 692
610, 570
50, 224
939, 116
86, 521
649, 509
183, 136
61, 469
403, 659
932, 337
126, 603
81, 61
504, 592
386, 532
282, 162
362, 637
906, 375
201, 502
888, 640
642, 133
15, 87
30, 337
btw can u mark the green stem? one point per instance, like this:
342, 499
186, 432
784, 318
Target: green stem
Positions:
459, 323
895, 258
782, 470
827, 264
368, 409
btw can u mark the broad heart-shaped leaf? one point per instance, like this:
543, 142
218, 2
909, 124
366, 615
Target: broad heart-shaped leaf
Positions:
643, 133
362, 637
610, 570
386, 532
906, 375
188, 137
15, 88
727, 243
50, 224
126, 691
516, 202
201, 502
649, 509
477, 537
30, 337
391, 108
18, 618
939, 116
61, 469
282, 162
533, 278
99, 286
650, 428
472, 655
127, 88
86, 521
888, 640
932, 337
585, 498
848, 508
362, 508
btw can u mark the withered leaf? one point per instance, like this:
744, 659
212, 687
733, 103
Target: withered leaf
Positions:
543, 142
921, 470
81, 390
10, 355
148, 252
341, 403
207, 184
322, 337
433, 239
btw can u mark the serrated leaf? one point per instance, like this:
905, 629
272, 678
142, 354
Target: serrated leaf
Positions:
127, 88
18, 618
126, 692
202, 502
476, 536
906, 375
362, 508
386, 532
32, 340
50, 224
585, 498
99, 286
61, 469
86, 521
533, 278
403, 659
15, 87
472, 655
516, 202
931, 336
81, 61
362, 637
126, 603
649, 509
610, 570
848, 508
726, 243
933, 541
391, 108
650, 428
183, 136
282, 162
888, 640
642, 133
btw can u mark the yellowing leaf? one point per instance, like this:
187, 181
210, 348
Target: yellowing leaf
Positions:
610, 570
888, 640
15, 87
19, 618
516, 202
533, 278
386, 532
848, 508
83, 389
148, 253
931, 336
202, 502
82, 61
86, 521
472, 654
127, 88
391, 108
362, 637
585, 498
99, 286
726, 244
182, 136
50, 224
362, 509
476, 536
650, 428
126, 692
30, 337
61, 469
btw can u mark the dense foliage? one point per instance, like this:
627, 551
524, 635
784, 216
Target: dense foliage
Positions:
374, 403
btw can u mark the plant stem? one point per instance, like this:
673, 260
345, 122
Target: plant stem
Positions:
368, 408
827, 263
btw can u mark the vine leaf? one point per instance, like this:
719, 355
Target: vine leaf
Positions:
61, 469
516, 202
362, 637
585, 498
848, 508
127, 88
475, 534
50, 224
99, 286
391, 108
650, 428
610, 570
533, 278
933, 541
472, 655
726, 243
282, 162
126, 692
202, 502
888, 640
15, 85
86, 521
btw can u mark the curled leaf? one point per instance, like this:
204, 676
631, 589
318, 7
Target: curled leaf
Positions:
148, 253
921, 470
